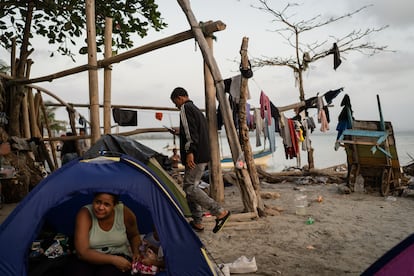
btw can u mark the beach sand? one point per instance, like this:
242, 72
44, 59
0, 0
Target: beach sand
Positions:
349, 232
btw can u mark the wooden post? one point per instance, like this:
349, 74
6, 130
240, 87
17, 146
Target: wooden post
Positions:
93, 74
13, 58
53, 165
216, 176
33, 119
25, 107
107, 77
249, 198
72, 121
244, 129
25, 116
37, 112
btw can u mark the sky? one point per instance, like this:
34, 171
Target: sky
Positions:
148, 79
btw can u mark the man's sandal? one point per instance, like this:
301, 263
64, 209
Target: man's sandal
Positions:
195, 227
220, 222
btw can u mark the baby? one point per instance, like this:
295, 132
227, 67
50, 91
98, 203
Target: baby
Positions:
151, 260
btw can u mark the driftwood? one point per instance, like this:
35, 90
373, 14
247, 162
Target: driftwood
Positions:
409, 169
331, 174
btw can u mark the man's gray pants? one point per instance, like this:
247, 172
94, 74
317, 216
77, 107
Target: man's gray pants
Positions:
197, 199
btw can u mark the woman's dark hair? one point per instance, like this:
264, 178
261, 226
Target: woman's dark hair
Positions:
177, 92
114, 196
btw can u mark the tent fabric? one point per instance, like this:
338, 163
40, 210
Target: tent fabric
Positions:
116, 145
397, 261
56, 200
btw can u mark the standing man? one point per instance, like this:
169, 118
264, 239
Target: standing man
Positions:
195, 154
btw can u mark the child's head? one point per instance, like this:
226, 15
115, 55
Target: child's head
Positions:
152, 241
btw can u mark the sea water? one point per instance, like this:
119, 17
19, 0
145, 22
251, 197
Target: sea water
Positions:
323, 143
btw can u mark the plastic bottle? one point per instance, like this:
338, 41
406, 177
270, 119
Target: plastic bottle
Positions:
359, 184
301, 203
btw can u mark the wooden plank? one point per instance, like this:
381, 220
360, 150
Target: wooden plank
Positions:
366, 133
354, 142
171, 40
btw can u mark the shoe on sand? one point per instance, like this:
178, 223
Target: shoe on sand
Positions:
195, 227
220, 222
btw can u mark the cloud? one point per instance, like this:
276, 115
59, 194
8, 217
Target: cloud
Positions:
148, 79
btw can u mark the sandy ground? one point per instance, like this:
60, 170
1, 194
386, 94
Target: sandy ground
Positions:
350, 231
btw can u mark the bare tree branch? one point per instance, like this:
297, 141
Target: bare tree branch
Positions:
291, 30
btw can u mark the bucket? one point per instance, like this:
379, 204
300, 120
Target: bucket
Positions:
301, 203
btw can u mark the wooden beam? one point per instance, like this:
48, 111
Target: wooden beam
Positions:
168, 41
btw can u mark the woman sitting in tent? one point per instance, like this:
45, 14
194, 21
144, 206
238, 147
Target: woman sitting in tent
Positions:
105, 233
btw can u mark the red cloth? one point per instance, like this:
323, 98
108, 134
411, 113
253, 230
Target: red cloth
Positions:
292, 151
265, 106
158, 115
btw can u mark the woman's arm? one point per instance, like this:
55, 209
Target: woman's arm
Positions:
133, 235
83, 250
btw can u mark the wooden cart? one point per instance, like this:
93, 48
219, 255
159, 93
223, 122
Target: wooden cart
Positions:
371, 152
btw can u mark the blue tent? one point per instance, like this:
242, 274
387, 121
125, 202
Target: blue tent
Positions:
56, 200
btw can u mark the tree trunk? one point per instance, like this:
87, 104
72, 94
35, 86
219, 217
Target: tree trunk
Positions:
17, 94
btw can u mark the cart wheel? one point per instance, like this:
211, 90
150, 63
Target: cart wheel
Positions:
385, 181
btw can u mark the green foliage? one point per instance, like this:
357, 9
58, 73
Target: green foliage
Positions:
63, 22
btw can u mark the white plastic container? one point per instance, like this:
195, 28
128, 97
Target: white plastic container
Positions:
359, 184
301, 204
